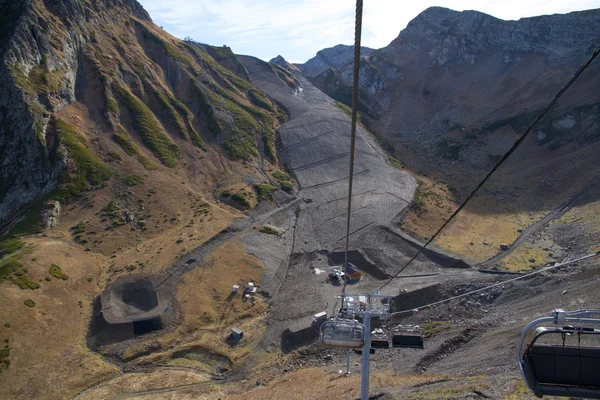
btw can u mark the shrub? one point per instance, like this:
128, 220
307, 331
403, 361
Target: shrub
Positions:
264, 191
10, 245
9, 267
57, 272
286, 186
240, 198
29, 303
112, 106
115, 156
149, 165
269, 230
23, 282
225, 193
111, 210
132, 180
281, 176
79, 228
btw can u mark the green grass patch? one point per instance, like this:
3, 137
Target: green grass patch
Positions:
240, 198
270, 151
240, 147
115, 156
282, 176
89, 170
264, 191
269, 230
417, 203
394, 162
29, 303
152, 133
122, 139
10, 245
286, 186
9, 267
57, 272
40, 79
111, 210
23, 281
149, 165
132, 180
31, 223
79, 228
174, 117
433, 327
285, 76
112, 106
260, 100
4, 358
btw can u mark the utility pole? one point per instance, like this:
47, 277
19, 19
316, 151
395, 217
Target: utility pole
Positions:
366, 353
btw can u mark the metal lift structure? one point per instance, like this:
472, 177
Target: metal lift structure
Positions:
345, 332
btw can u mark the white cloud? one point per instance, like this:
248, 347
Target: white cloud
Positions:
297, 29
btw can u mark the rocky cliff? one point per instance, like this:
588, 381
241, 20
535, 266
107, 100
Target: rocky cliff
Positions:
331, 57
155, 97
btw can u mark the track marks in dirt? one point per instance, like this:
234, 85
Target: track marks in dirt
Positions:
446, 348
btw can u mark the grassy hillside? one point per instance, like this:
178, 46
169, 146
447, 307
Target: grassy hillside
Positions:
152, 129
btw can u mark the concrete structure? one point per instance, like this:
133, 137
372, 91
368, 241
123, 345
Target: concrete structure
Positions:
134, 304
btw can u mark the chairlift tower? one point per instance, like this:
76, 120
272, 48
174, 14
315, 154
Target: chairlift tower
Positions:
345, 332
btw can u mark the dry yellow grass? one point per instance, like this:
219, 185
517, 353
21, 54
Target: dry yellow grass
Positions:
162, 379
434, 204
473, 226
315, 383
518, 260
49, 359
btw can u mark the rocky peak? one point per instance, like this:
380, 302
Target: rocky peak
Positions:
279, 60
464, 36
332, 57
283, 63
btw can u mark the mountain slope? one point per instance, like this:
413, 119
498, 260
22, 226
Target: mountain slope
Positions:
122, 149
450, 95
146, 91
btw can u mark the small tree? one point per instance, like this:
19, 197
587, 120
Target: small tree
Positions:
188, 39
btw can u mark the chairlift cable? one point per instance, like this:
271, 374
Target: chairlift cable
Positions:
357, 37
499, 163
592, 255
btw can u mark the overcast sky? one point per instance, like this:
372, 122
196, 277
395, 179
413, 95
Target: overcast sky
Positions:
297, 29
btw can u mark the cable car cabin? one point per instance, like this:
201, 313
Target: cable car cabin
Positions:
342, 334
555, 363
408, 337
